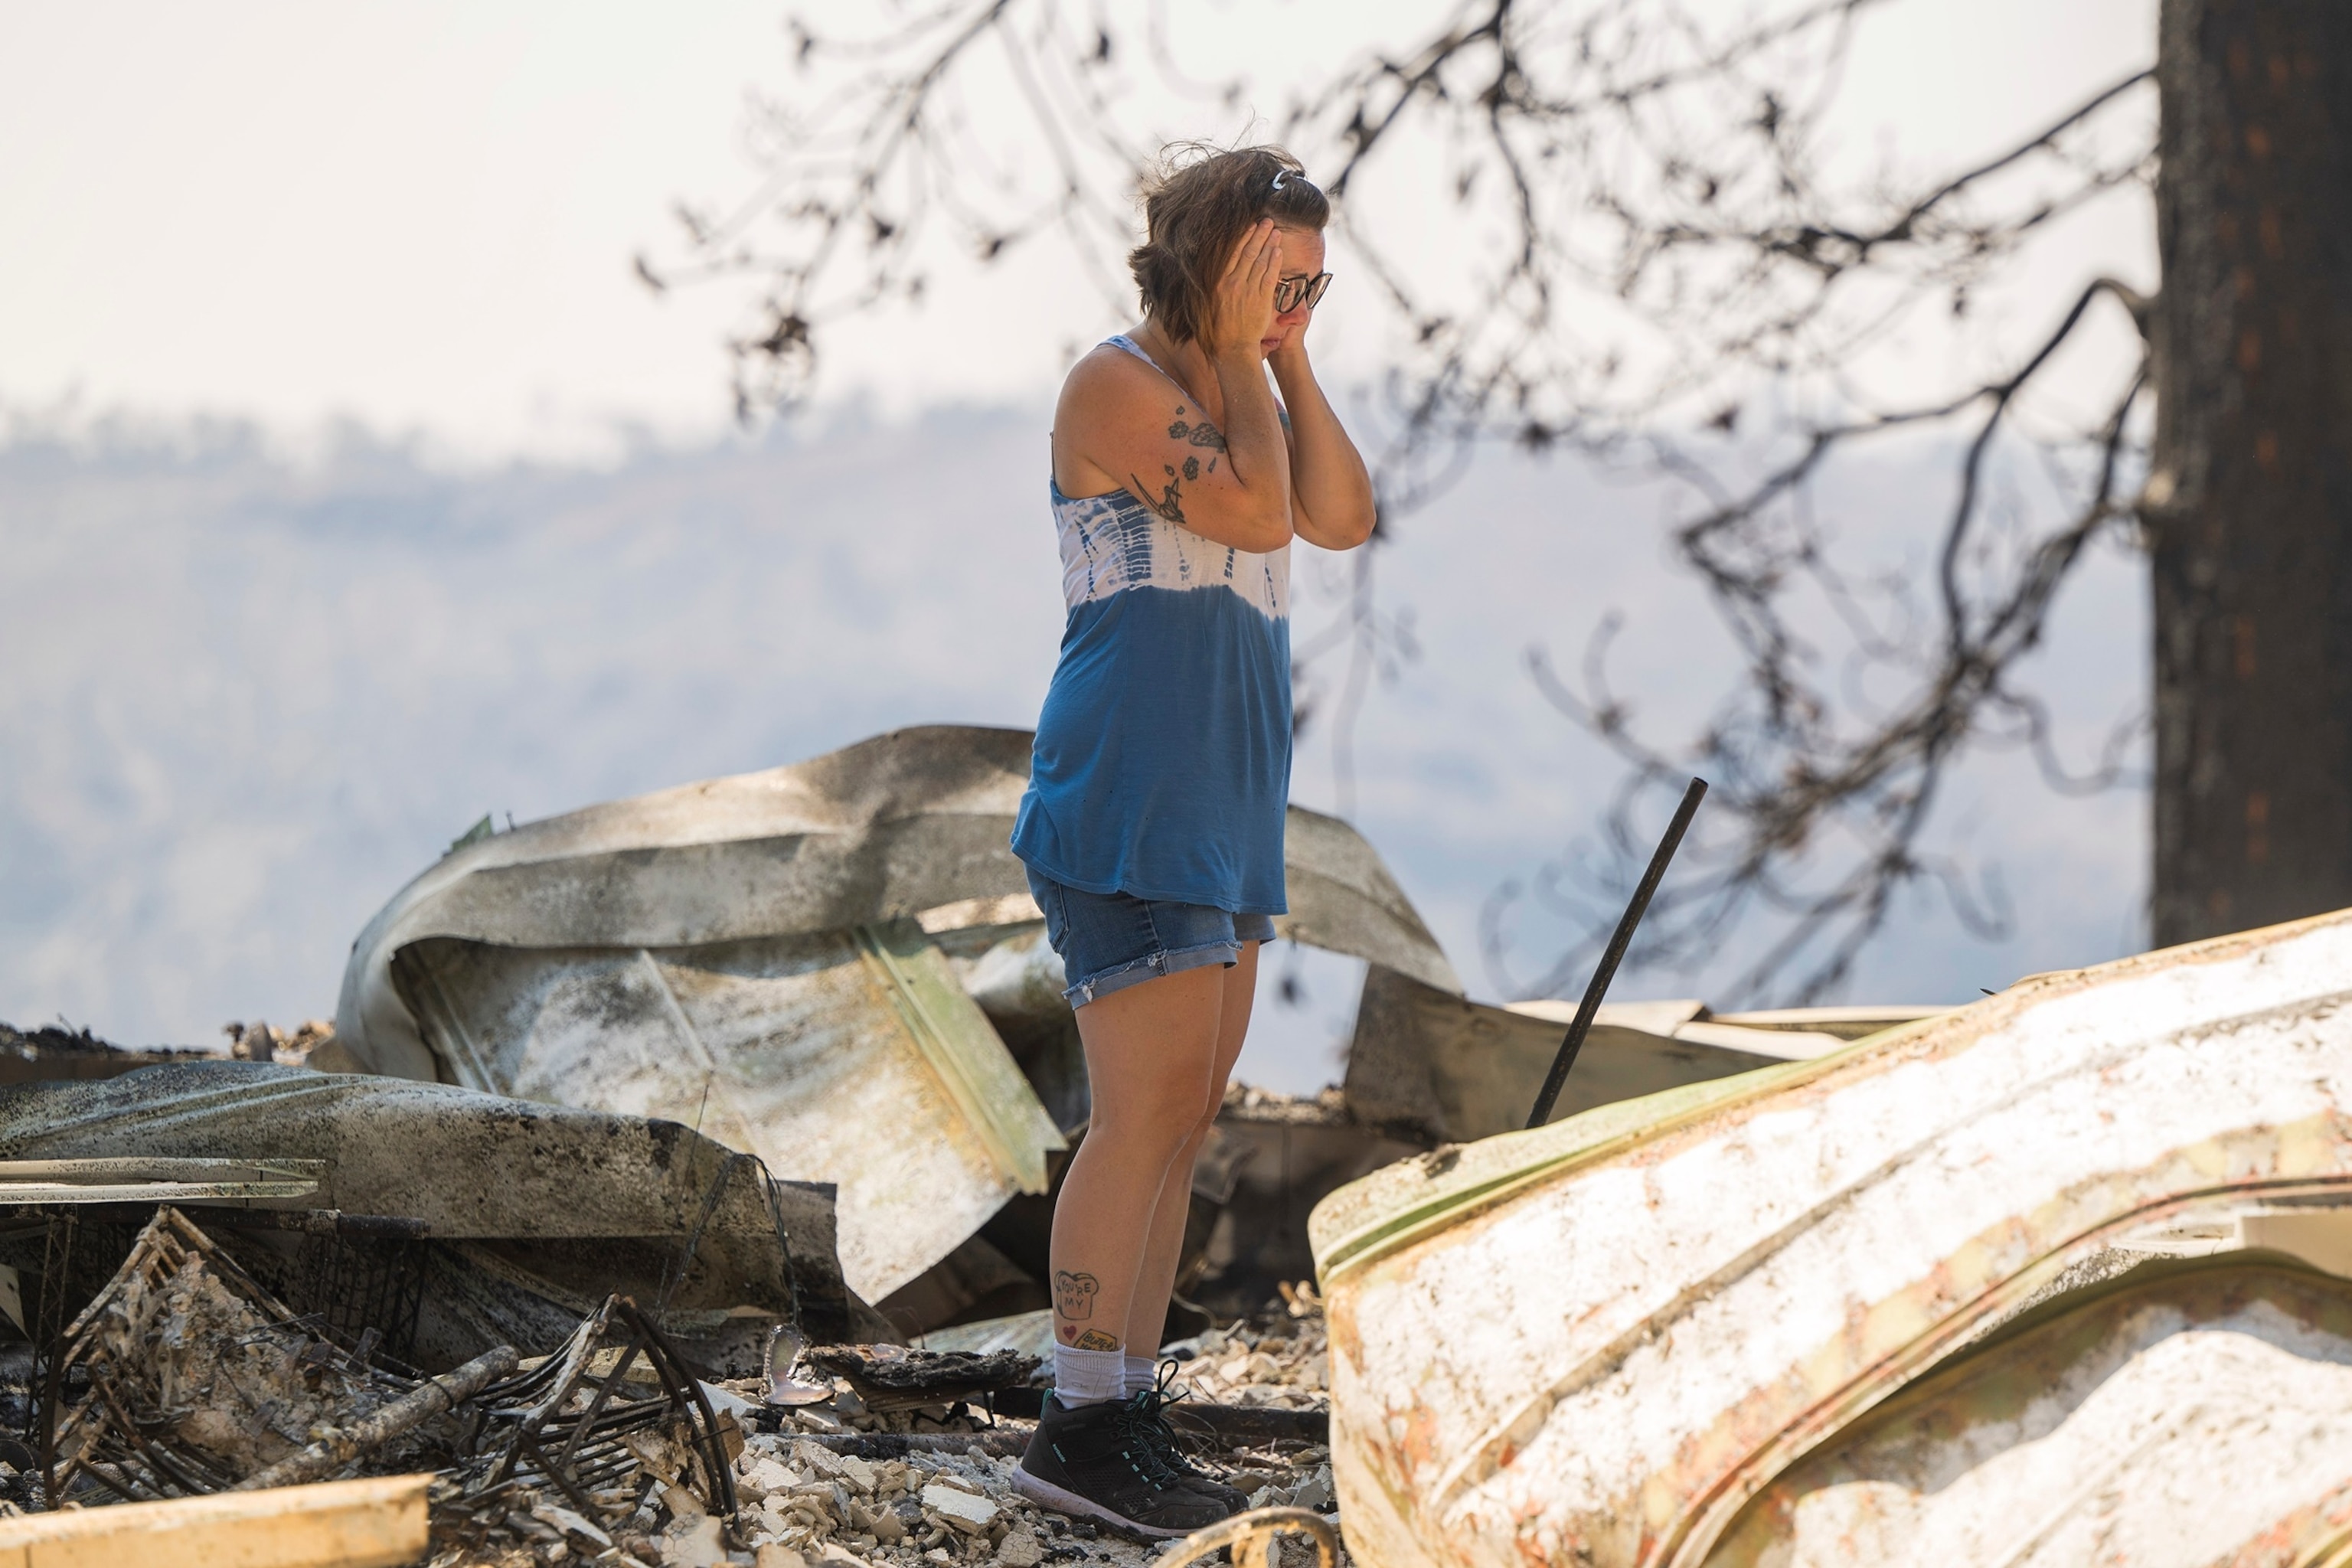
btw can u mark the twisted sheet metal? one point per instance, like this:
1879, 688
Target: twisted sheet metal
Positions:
1597, 1342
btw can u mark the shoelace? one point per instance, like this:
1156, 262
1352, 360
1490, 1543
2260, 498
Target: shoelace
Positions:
1139, 1434
1151, 1403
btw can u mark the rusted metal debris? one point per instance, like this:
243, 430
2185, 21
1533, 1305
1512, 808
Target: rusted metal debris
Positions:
2058, 1278
493, 1221
834, 965
186, 1377
607, 1422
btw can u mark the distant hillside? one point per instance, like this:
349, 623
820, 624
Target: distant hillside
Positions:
245, 700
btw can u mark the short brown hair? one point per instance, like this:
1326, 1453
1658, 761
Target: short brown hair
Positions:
1196, 206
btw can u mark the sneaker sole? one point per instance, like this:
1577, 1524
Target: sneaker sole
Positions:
1046, 1494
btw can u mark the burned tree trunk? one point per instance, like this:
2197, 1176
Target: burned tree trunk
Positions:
2250, 514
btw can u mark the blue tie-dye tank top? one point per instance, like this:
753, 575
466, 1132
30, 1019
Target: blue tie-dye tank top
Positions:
1162, 762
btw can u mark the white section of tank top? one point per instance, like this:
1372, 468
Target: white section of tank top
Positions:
1113, 543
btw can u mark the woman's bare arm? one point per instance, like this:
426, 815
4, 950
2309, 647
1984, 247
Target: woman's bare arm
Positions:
1230, 484
1331, 490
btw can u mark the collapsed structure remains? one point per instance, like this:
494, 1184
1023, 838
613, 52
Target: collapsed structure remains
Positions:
678, 1185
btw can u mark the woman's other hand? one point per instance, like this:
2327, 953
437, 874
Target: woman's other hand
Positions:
1242, 306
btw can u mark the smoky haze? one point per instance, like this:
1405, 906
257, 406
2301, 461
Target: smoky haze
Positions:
248, 698
352, 487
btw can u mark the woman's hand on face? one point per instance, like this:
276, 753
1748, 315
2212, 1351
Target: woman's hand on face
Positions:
1293, 334
1244, 302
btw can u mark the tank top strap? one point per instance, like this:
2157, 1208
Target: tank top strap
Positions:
1121, 341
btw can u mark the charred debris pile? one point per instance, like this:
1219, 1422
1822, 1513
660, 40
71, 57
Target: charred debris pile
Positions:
673, 1184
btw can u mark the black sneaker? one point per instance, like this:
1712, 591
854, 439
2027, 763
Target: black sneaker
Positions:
1155, 1402
1102, 1462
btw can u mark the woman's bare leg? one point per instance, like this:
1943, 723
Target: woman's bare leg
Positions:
1147, 1314
1151, 1053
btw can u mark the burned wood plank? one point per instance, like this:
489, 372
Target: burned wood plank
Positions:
892, 1377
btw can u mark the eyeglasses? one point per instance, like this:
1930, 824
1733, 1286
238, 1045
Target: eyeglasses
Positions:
1292, 293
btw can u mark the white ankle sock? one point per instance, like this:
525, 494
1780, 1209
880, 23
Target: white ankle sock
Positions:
1088, 1377
1142, 1372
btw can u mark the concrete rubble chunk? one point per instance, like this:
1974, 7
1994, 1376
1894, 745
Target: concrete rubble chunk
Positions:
967, 1511
571, 1523
762, 1475
819, 1460
694, 1542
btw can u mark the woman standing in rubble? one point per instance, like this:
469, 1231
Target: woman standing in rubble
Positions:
1152, 828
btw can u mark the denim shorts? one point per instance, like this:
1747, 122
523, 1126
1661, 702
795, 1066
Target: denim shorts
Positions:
1111, 940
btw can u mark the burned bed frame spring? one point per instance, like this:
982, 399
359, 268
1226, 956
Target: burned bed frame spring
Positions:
108, 1438
79, 1255
359, 1279
366, 1290
565, 1424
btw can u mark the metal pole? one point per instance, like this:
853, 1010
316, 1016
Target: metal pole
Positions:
1613, 953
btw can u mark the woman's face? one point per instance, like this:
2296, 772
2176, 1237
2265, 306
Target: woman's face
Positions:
1301, 251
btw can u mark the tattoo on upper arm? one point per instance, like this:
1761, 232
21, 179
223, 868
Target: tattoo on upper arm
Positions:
1074, 1294
1199, 432
1170, 502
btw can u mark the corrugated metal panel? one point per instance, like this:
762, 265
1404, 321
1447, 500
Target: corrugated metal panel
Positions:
851, 1058
1595, 1342
2201, 1415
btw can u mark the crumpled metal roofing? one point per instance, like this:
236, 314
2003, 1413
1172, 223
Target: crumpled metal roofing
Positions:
1603, 1342
905, 822
470, 1166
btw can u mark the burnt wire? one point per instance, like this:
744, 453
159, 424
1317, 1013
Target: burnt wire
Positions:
673, 1278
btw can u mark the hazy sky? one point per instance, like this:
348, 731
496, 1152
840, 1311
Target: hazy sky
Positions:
245, 702
258, 677
422, 215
